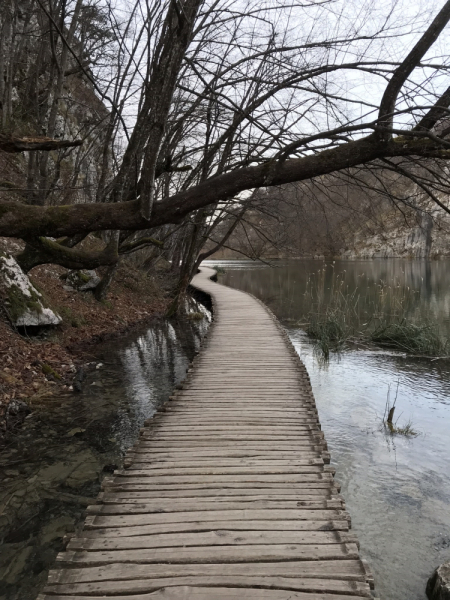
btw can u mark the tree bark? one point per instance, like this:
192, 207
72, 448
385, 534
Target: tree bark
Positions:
13, 144
101, 291
18, 220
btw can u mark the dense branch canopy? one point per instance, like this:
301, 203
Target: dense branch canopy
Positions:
211, 99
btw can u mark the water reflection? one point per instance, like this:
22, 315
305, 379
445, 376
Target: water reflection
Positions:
397, 489
284, 286
52, 468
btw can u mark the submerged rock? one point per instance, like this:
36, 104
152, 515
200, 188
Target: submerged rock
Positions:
438, 586
23, 303
82, 280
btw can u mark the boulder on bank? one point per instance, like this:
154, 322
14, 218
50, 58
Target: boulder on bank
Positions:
23, 304
438, 586
83, 280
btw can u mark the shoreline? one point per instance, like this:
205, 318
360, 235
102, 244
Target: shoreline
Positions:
35, 369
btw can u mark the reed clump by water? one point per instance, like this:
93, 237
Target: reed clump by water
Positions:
423, 339
388, 418
368, 313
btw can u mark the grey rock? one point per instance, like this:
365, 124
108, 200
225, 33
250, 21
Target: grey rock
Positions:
438, 586
16, 413
83, 280
22, 301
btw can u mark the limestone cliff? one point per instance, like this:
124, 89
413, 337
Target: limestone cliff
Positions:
425, 234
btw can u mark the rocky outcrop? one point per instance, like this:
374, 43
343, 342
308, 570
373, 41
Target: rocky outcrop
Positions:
23, 304
438, 586
83, 280
429, 238
396, 241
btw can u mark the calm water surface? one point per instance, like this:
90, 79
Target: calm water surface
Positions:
397, 489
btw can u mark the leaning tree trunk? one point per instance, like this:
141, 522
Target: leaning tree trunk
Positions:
187, 268
101, 291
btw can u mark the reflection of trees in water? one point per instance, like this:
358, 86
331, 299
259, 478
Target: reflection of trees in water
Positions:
149, 367
284, 286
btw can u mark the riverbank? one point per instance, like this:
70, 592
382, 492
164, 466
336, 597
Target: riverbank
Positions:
33, 370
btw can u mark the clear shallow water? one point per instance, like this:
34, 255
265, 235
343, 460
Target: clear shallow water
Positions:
397, 489
52, 467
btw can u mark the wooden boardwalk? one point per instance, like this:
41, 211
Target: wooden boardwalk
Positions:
228, 494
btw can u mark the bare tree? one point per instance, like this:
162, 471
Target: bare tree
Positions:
229, 97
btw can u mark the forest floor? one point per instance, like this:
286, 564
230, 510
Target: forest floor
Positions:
36, 368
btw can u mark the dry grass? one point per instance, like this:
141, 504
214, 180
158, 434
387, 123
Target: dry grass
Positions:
383, 314
389, 425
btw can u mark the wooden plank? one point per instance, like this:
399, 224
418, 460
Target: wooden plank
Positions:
288, 447
222, 537
226, 593
147, 461
140, 485
94, 528
143, 586
126, 507
141, 469
220, 494
222, 456
205, 516
214, 496
223, 554
345, 570
135, 476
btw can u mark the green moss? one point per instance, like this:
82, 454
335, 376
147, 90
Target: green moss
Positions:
83, 277
47, 370
19, 304
7, 184
195, 316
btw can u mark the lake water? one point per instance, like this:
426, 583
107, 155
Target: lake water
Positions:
397, 489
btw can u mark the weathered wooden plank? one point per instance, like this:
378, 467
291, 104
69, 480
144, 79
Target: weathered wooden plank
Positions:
244, 514
143, 470
304, 456
94, 529
140, 497
143, 586
219, 494
126, 507
282, 447
223, 457
345, 570
311, 442
217, 537
226, 593
223, 554
211, 479
262, 432
140, 485
147, 461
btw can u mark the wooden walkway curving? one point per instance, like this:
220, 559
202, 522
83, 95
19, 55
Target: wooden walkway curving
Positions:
228, 494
